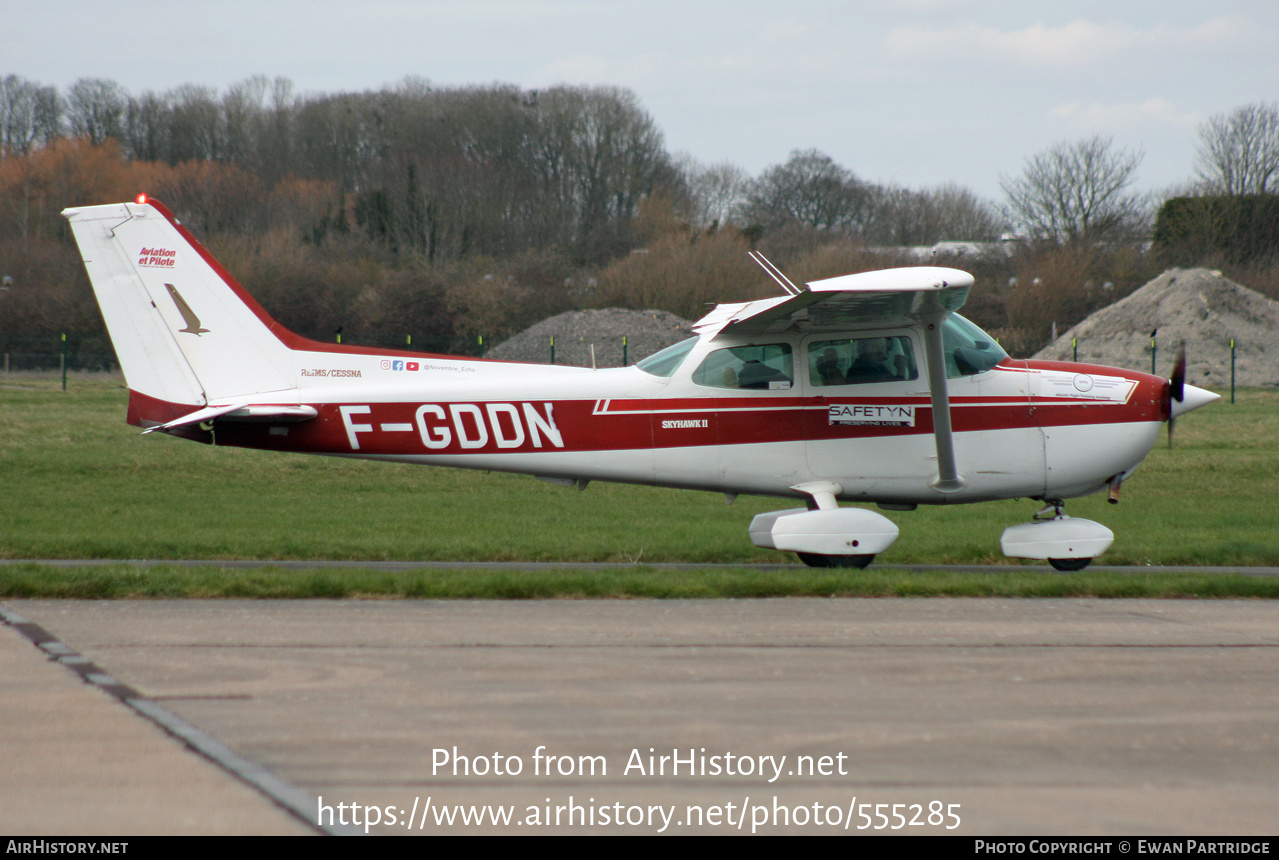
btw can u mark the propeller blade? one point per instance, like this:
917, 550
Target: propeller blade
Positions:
1176, 387
1178, 379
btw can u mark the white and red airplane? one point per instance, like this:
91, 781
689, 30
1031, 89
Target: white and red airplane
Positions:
863, 388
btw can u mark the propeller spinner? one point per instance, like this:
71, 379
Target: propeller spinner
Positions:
1183, 398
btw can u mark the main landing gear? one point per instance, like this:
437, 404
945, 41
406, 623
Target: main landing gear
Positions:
858, 562
824, 534
1067, 544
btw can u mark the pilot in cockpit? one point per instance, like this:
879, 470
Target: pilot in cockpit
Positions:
828, 371
874, 364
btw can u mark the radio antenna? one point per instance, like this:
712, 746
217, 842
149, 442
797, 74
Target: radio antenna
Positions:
775, 273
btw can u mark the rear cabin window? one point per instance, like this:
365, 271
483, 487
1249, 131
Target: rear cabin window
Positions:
856, 361
767, 367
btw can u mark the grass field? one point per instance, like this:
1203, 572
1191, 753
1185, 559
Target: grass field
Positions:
82, 484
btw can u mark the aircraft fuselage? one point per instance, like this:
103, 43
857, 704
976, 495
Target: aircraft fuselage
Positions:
1021, 428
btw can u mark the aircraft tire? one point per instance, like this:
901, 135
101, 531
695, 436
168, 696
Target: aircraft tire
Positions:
853, 561
1069, 565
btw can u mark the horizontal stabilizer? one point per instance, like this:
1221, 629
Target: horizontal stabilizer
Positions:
239, 412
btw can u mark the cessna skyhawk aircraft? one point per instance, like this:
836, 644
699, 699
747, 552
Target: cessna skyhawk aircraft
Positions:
863, 388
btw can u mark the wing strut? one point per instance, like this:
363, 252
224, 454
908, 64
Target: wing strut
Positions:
948, 479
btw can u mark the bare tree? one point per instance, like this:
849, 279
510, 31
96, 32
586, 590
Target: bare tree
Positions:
963, 216
243, 110
716, 191
1076, 193
617, 157
30, 115
95, 109
1239, 152
812, 190
194, 124
146, 134
948, 212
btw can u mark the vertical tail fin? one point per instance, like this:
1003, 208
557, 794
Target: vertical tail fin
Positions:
185, 332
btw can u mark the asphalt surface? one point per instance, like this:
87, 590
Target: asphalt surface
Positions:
1075, 716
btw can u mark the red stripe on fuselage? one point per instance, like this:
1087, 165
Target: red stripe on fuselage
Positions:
496, 427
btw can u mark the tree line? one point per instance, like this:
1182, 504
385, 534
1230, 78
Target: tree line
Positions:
450, 213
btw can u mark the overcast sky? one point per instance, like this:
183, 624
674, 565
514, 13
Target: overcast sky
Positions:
917, 92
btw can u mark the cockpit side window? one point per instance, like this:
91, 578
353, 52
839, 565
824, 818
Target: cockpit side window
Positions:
665, 362
766, 366
855, 361
968, 349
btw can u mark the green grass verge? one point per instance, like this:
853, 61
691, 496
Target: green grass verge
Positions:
641, 581
80, 483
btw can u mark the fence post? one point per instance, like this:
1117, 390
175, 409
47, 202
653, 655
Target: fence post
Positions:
480, 339
1232, 370
1153, 353
64, 361
625, 363
1074, 349
552, 349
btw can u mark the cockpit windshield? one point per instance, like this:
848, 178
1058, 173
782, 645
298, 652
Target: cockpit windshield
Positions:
968, 349
665, 362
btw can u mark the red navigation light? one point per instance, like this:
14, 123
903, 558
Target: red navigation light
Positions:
142, 199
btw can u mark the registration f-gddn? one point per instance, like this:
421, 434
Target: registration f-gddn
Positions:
862, 388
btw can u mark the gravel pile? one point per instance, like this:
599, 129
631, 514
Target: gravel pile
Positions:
575, 332
1197, 306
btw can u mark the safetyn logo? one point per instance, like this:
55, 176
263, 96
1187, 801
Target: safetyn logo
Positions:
874, 414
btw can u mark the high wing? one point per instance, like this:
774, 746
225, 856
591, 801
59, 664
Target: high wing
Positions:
882, 298
920, 294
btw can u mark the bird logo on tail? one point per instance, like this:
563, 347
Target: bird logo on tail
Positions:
188, 315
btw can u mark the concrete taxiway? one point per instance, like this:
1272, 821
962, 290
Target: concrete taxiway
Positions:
1069, 716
